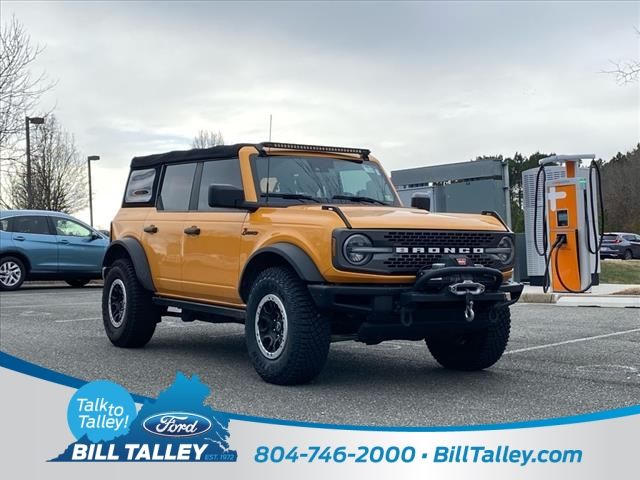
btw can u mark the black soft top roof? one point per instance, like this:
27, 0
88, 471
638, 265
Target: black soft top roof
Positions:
231, 151
222, 151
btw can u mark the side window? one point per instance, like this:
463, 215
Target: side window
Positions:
176, 187
30, 224
220, 172
630, 238
140, 186
69, 228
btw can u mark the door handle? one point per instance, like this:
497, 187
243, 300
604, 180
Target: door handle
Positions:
192, 230
64, 241
151, 229
20, 238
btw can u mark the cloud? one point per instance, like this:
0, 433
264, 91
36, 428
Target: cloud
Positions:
418, 83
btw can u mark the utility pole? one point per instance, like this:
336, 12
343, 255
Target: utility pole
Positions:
27, 122
90, 159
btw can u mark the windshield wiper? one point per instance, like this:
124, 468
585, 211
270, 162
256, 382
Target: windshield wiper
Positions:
291, 196
357, 198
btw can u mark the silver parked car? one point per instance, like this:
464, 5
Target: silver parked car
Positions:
620, 245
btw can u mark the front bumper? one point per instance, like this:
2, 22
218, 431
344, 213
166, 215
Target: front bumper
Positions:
408, 311
429, 289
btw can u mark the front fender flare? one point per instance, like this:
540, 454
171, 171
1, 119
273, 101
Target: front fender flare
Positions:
135, 252
290, 254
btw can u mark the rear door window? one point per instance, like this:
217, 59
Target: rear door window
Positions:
177, 183
30, 224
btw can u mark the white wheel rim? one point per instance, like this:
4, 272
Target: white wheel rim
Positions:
117, 302
271, 326
10, 273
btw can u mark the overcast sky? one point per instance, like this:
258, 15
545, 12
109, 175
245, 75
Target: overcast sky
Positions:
418, 83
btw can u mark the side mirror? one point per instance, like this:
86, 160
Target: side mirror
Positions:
95, 236
421, 200
225, 196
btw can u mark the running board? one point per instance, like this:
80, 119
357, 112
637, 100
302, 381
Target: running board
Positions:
196, 307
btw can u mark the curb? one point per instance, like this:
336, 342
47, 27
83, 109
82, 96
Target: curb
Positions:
605, 301
538, 298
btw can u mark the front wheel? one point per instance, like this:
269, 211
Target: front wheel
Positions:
128, 314
628, 255
474, 350
12, 273
287, 338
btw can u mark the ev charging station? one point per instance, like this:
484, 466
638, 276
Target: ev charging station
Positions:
571, 237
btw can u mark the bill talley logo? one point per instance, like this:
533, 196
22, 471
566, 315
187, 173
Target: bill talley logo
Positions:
176, 424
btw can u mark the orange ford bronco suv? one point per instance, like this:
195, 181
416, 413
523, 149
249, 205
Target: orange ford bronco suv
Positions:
303, 244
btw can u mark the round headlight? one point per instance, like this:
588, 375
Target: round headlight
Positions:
351, 249
506, 256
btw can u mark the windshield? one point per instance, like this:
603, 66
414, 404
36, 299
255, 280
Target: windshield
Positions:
291, 179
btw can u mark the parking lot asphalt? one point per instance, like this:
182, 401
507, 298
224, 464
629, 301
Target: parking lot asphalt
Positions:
560, 361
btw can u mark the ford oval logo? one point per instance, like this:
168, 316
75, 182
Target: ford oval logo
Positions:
176, 424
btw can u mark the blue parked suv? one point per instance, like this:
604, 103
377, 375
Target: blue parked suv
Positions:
39, 245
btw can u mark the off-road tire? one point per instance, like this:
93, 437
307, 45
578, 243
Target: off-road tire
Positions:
77, 282
13, 262
475, 350
140, 314
308, 336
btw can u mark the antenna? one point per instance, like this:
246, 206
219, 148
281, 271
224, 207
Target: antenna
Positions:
270, 124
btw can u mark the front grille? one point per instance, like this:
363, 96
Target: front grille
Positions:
410, 263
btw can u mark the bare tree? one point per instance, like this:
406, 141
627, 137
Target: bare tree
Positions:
20, 91
626, 71
58, 173
207, 138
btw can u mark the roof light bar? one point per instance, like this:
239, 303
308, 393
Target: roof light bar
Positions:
317, 148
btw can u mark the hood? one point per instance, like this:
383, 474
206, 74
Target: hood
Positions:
366, 217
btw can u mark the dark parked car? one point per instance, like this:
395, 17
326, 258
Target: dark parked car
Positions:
38, 245
620, 245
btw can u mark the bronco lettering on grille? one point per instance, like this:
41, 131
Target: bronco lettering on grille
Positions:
439, 250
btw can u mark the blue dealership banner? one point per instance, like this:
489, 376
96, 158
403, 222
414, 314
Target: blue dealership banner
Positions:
177, 426
107, 424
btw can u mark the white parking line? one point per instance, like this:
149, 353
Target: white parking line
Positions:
47, 305
575, 340
535, 347
78, 320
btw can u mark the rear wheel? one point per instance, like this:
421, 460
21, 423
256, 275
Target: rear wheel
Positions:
287, 338
77, 282
474, 350
12, 273
128, 314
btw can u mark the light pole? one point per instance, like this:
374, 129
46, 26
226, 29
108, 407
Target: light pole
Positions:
90, 159
27, 121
